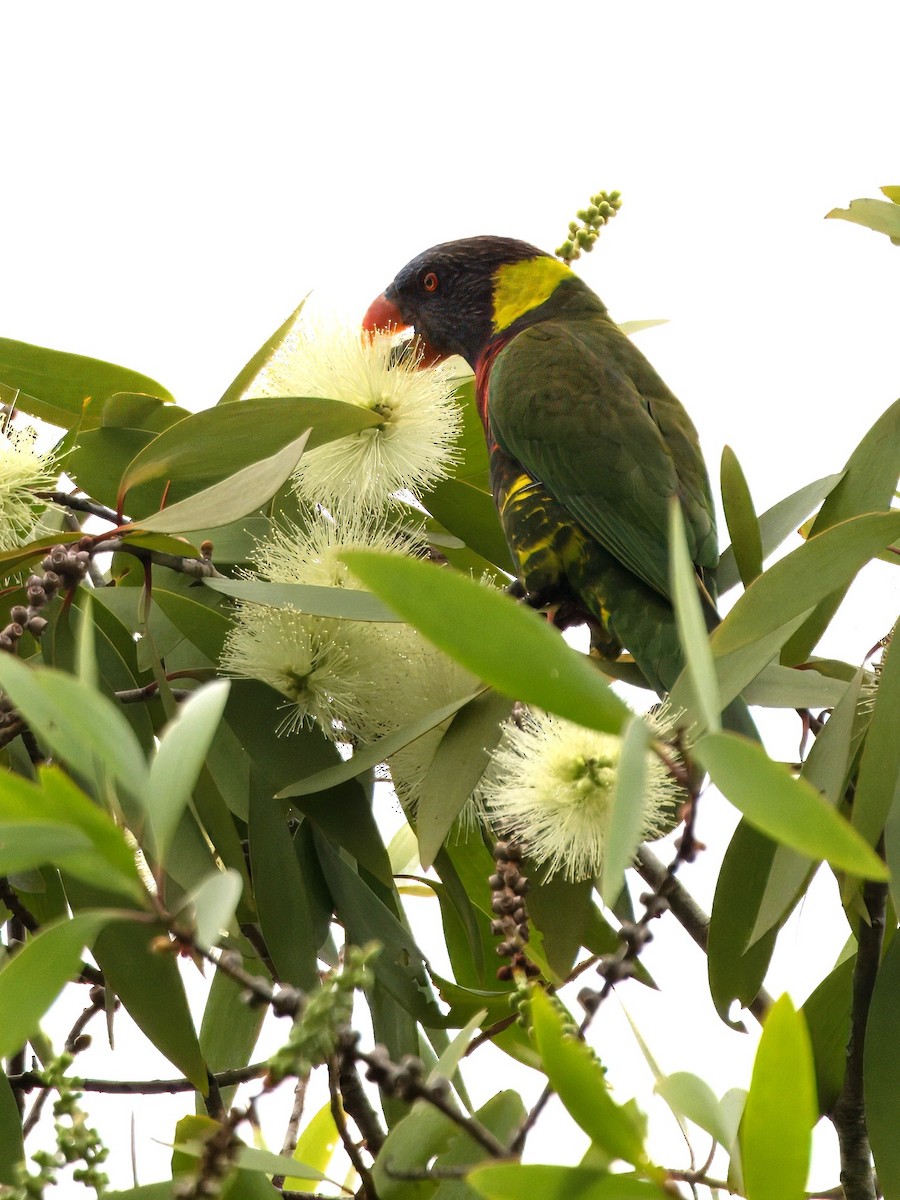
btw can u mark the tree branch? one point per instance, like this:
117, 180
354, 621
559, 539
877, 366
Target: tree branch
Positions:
849, 1113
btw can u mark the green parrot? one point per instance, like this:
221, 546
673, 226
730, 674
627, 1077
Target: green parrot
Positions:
587, 445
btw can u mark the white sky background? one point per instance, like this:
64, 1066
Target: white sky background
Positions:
176, 177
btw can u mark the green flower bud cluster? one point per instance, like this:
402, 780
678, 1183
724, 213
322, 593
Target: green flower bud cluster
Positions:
76, 1141
585, 230
316, 1031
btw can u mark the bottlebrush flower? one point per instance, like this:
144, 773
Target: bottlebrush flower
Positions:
551, 785
412, 448
22, 471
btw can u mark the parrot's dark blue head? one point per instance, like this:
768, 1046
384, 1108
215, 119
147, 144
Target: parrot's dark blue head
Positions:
450, 294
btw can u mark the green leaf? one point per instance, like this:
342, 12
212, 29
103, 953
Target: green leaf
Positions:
32, 979
412, 1143
881, 1071
400, 968
502, 1115
315, 1146
740, 516
370, 756
230, 1026
348, 603
693, 1098
878, 784
180, 754
232, 498
627, 824
776, 1133
470, 513
513, 1181
560, 912
214, 444
151, 989
264, 355
283, 897
869, 484
692, 631
214, 902
789, 810
827, 1015
736, 972
509, 646
801, 579
785, 687
580, 1082
58, 386
892, 192
461, 758
775, 524
12, 1143
56, 798
82, 727
877, 215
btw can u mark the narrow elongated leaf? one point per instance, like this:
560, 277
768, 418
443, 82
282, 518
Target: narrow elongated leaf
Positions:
881, 1071
348, 603
869, 484
182, 750
879, 768
877, 215
232, 498
214, 902
33, 978
82, 727
787, 809
57, 386
508, 646
692, 630
12, 1143
264, 355
230, 1027
627, 824
457, 767
776, 1134
371, 755
802, 578
775, 524
214, 444
827, 1015
283, 896
740, 516
692, 1097
581, 1084
470, 513
400, 968
315, 1146
512, 1181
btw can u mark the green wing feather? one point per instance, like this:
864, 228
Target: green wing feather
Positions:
583, 411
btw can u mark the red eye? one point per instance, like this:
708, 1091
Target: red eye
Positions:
430, 282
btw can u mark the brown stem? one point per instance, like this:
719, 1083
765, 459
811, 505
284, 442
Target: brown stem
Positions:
26, 1081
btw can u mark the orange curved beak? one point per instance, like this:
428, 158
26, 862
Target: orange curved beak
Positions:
383, 315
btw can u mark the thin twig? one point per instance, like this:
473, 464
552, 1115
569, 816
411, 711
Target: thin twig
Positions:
199, 568
26, 1081
350, 1146
290, 1135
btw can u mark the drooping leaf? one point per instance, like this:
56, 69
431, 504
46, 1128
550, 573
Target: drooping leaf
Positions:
693, 1098
82, 727
470, 513
627, 823
212, 904
315, 1145
180, 754
12, 1143
776, 1133
787, 809
581, 1084
32, 979
508, 646
230, 1026
878, 785
457, 767
692, 631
